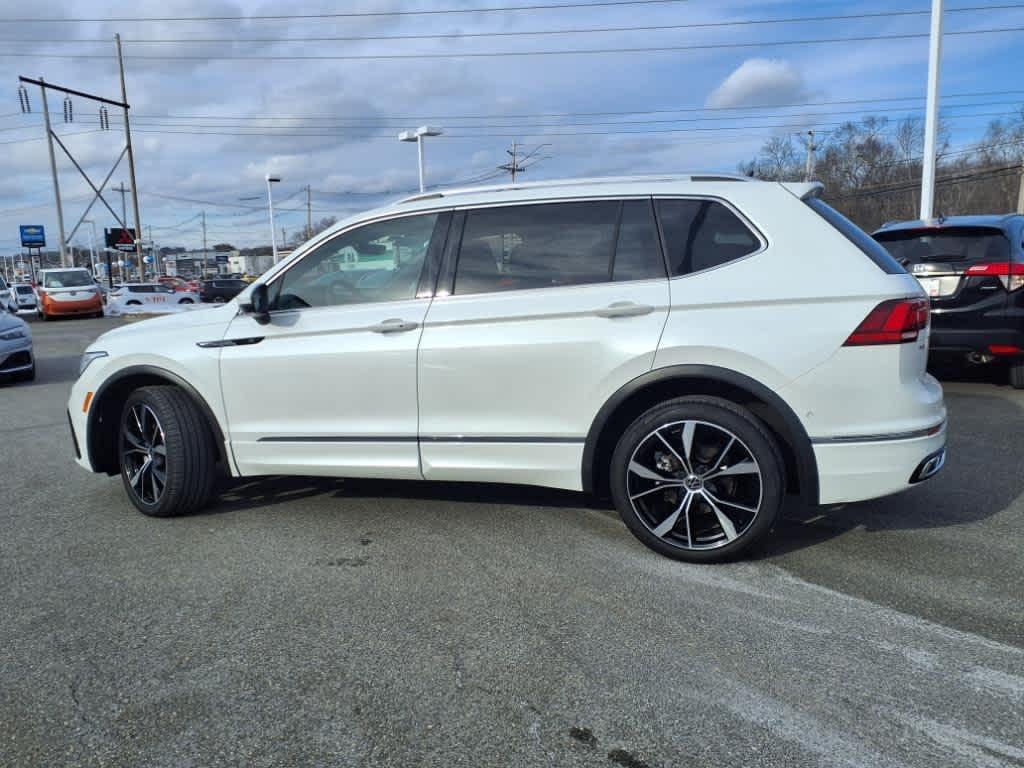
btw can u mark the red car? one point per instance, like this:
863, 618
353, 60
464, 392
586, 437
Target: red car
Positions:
179, 284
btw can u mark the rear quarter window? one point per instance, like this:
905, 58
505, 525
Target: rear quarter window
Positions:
702, 234
867, 245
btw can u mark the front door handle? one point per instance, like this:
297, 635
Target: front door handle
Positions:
393, 325
624, 309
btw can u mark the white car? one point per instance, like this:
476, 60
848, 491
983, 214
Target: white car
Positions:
22, 299
16, 359
698, 347
147, 296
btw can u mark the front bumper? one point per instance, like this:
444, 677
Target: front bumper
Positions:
855, 471
16, 356
55, 308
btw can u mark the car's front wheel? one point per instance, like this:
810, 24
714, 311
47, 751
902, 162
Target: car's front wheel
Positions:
698, 479
186, 301
167, 454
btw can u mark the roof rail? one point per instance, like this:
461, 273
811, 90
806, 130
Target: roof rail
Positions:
572, 183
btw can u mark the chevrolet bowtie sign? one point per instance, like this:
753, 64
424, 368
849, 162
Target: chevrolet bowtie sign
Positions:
32, 236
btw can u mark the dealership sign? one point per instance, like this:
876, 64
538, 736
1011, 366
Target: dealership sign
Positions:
32, 236
122, 239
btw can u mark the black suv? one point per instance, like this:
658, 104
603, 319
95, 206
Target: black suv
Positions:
972, 268
220, 290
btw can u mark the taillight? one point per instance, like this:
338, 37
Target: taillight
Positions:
1010, 273
897, 321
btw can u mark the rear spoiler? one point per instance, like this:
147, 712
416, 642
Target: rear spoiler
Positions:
805, 190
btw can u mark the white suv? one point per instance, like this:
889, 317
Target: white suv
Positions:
696, 346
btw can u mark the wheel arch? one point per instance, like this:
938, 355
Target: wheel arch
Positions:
643, 392
105, 412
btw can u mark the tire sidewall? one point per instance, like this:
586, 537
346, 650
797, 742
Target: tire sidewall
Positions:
721, 413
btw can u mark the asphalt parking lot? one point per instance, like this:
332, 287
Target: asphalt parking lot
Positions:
339, 623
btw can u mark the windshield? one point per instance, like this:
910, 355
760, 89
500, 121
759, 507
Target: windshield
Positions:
961, 244
24, 290
67, 278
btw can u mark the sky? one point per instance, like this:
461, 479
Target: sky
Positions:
218, 103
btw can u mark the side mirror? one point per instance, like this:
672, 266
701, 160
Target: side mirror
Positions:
259, 304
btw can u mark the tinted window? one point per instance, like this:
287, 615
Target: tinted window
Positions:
883, 260
700, 234
142, 289
24, 290
637, 254
375, 262
536, 246
959, 244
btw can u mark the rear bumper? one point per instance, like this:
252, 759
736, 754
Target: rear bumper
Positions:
855, 471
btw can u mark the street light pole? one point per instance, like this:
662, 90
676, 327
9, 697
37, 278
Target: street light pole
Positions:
931, 120
270, 209
417, 136
92, 244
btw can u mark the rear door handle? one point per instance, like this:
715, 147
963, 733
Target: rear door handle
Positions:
393, 325
624, 309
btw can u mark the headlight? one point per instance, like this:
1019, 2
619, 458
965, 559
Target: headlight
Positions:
87, 358
17, 333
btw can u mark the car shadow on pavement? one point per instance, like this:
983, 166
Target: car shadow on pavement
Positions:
984, 474
50, 370
251, 493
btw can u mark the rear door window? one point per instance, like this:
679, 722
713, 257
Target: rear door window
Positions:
701, 234
545, 245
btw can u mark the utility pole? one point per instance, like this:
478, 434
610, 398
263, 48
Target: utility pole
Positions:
309, 213
53, 170
204, 244
124, 208
809, 166
519, 163
931, 120
131, 156
284, 238
1020, 189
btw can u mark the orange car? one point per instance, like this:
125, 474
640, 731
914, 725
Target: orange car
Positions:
68, 292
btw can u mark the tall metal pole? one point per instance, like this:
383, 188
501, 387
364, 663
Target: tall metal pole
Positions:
131, 157
270, 209
809, 166
419, 150
53, 171
931, 121
1020, 190
309, 213
204, 244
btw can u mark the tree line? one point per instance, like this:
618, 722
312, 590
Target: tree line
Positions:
871, 168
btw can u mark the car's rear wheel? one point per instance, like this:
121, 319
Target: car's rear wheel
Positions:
218, 300
133, 303
186, 301
1017, 375
167, 455
698, 479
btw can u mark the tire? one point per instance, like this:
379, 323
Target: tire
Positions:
43, 316
1017, 374
735, 462
133, 303
189, 463
98, 315
186, 301
218, 299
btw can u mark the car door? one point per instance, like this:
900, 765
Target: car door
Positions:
543, 311
328, 385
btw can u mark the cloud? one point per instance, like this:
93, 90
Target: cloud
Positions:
760, 82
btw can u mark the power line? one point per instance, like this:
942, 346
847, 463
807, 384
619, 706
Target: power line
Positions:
522, 33
404, 118
347, 14
503, 54
153, 122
